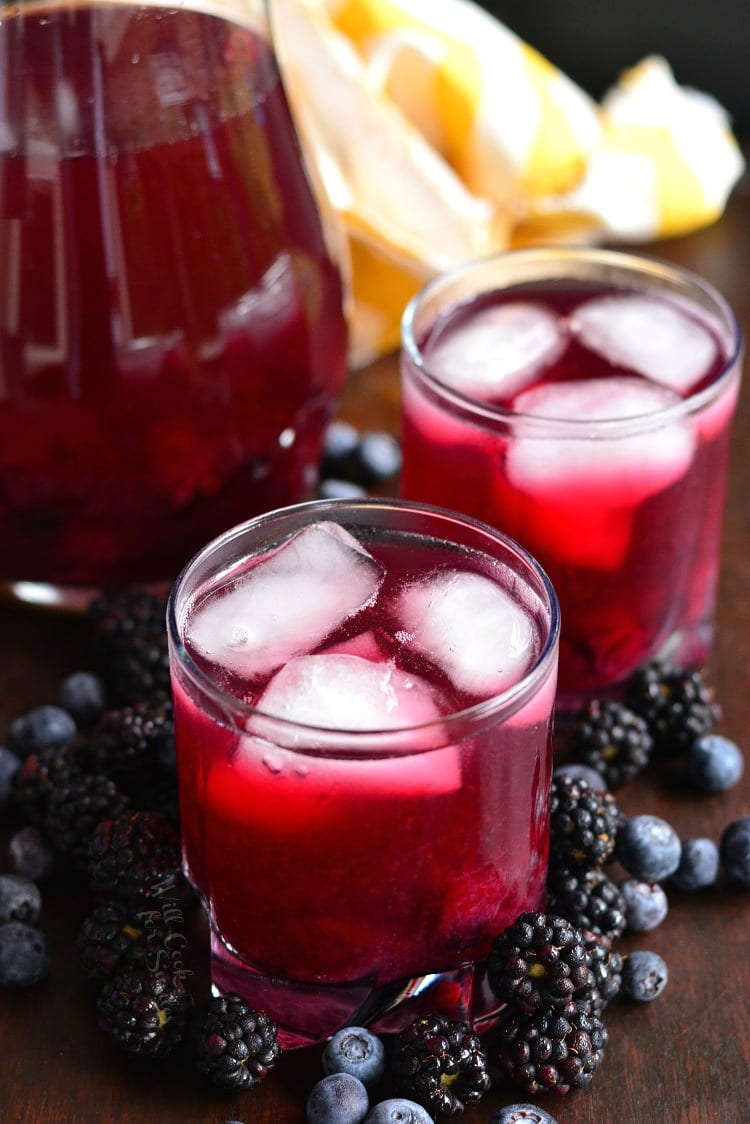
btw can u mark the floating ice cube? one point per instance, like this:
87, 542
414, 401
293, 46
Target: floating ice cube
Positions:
287, 604
648, 335
497, 351
470, 627
588, 482
345, 692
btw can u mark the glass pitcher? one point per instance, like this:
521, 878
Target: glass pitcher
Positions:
172, 341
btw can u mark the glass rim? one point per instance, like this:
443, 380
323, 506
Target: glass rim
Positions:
638, 265
493, 710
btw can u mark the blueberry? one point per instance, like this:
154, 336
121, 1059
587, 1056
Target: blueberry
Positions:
649, 848
332, 489
9, 766
714, 763
580, 773
644, 976
20, 899
379, 456
646, 904
398, 1111
734, 850
522, 1114
42, 727
340, 446
338, 1099
24, 959
699, 865
82, 695
30, 854
355, 1050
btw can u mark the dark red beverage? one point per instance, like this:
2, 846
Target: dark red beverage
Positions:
364, 764
171, 333
587, 414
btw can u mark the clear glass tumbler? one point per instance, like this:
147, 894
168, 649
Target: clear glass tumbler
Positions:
363, 705
581, 401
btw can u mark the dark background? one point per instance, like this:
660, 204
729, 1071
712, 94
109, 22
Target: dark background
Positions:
706, 42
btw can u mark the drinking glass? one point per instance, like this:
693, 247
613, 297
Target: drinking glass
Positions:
172, 341
581, 401
364, 794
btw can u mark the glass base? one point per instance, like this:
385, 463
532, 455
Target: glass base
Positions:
306, 1014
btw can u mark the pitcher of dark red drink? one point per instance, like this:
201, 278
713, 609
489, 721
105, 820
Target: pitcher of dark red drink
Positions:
171, 333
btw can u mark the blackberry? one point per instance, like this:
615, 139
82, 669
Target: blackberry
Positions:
588, 899
132, 738
135, 856
613, 740
580, 772
679, 706
40, 775
440, 1064
113, 937
583, 824
146, 1012
539, 961
551, 1049
130, 640
235, 1045
75, 810
606, 969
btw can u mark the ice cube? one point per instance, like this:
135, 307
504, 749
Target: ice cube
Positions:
587, 483
288, 603
345, 692
470, 627
497, 351
648, 335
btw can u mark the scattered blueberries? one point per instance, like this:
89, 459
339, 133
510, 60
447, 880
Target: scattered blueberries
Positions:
699, 865
649, 848
357, 1051
338, 1099
522, 1114
644, 976
24, 958
332, 489
714, 763
44, 726
580, 772
646, 904
10, 763
82, 695
734, 851
31, 855
379, 456
353, 461
398, 1111
20, 899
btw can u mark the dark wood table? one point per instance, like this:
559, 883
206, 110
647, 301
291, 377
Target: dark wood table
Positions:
684, 1059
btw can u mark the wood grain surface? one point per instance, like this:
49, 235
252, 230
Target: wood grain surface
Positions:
684, 1059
